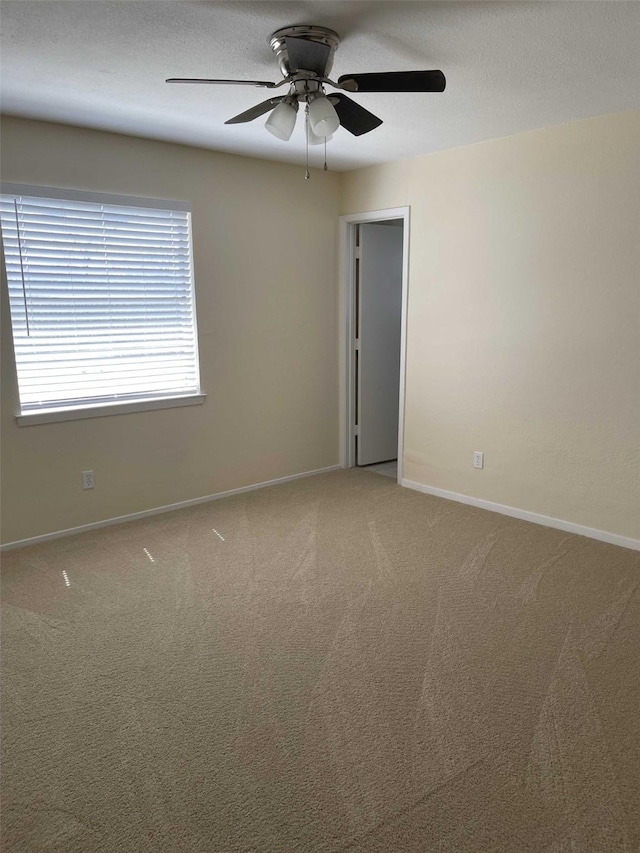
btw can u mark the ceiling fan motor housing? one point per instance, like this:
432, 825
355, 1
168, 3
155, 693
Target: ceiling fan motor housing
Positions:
318, 35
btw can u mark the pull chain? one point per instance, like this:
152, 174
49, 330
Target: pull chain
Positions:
325, 153
306, 127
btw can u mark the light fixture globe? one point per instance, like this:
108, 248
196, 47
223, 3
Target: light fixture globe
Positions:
317, 140
323, 119
282, 120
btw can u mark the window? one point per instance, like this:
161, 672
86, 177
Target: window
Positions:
102, 302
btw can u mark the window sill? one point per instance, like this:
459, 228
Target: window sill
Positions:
105, 409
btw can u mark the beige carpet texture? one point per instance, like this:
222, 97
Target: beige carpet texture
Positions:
333, 664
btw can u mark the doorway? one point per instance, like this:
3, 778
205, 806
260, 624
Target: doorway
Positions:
374, 262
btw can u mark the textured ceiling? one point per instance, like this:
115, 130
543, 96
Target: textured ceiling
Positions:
510, 67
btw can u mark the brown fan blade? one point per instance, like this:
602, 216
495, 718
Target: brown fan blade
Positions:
394, 81
353, 117
257, 111
264, 83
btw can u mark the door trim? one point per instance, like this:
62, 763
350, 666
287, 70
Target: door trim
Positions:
348, 224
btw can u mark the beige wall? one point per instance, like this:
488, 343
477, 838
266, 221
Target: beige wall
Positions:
264, 255
523, 333
524, 318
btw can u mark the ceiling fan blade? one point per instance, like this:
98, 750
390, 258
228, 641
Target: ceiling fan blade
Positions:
265, 83
307, 55
353, 117
394, 81
257, 111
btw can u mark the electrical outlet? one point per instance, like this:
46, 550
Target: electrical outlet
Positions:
87, 480
478, 459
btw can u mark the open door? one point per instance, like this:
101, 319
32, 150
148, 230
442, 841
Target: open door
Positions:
379, 324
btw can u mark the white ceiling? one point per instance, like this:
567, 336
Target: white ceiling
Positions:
510, 67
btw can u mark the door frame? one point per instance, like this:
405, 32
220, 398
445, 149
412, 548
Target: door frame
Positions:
348, 224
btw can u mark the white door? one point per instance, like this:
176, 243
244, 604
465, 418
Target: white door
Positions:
379, 313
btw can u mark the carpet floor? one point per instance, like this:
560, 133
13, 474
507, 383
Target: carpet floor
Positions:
334, 664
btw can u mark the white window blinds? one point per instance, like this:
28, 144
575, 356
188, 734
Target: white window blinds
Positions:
102, 301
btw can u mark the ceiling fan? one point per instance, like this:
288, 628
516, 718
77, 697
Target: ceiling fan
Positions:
305, 56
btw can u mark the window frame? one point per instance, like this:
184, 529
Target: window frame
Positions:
102, 409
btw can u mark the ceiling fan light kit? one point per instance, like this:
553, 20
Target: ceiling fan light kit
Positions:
305, 57
282, 119
323, 118
318, 140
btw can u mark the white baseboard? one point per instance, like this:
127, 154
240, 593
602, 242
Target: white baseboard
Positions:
83, 528
525, 515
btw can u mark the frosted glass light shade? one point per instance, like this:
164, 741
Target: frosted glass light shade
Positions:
323, 119
281, 121
318, 140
